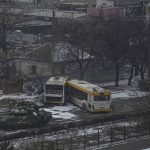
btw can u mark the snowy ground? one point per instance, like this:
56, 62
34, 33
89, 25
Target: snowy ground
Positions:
68, 113
123, 92
63, 112
22, 97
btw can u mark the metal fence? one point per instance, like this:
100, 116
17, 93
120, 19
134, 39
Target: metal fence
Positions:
100, 136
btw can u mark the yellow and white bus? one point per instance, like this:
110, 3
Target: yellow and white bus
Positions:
88, 96
54, 90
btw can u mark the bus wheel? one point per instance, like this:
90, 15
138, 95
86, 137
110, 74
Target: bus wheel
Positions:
84, 107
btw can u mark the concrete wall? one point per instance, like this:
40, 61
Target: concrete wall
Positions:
91, 3
24, 67
11, 86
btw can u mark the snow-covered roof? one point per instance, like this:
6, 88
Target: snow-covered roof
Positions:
61, 53
58, 13
35, 23
48, 13
86, 86
58, 80
65, 52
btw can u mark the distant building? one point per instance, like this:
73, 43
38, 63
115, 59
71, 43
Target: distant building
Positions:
119, 8
106, 12
91, 3
104, 3
41, 62
37, 61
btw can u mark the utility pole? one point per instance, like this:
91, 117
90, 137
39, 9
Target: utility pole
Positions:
53, 40
148, 27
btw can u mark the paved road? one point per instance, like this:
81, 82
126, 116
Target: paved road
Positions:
136, 144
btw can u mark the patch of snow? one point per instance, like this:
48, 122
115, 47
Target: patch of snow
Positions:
22, 97
65, 115
123, 91
128, 94
132, 123
121, 82
34, 113
16, 97
14, 132
146, 149
64, 108
62, 112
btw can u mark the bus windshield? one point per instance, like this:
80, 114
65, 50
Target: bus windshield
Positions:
54, 89
101, 98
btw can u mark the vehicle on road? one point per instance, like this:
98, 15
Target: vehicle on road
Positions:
88, 96
54, 90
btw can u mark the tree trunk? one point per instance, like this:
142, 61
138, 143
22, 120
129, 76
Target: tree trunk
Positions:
136, 71
81, 71
131, 75
142, 76
81, 75
117, 73
149, 61
141, 71
103, 63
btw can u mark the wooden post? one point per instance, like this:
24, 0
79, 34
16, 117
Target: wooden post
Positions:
148, 27
111, 133
137, 130
149, 127
149, 62
84, 140
124, 131
70, 143
98, 137
56, 143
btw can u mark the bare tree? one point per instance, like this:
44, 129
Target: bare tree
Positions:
8, 21
138, 51
78, 39
113, 34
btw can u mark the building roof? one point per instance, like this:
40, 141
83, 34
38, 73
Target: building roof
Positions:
61, 53
58, 14
87, 87
48, 13
41, 54
58, 80
65, 52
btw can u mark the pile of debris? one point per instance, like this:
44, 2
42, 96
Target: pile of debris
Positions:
21, 114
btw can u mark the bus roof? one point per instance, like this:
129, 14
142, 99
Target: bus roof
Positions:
87, 87
57, 80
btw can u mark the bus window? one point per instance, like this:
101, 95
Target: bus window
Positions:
101, 98
54, 89
76, 93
